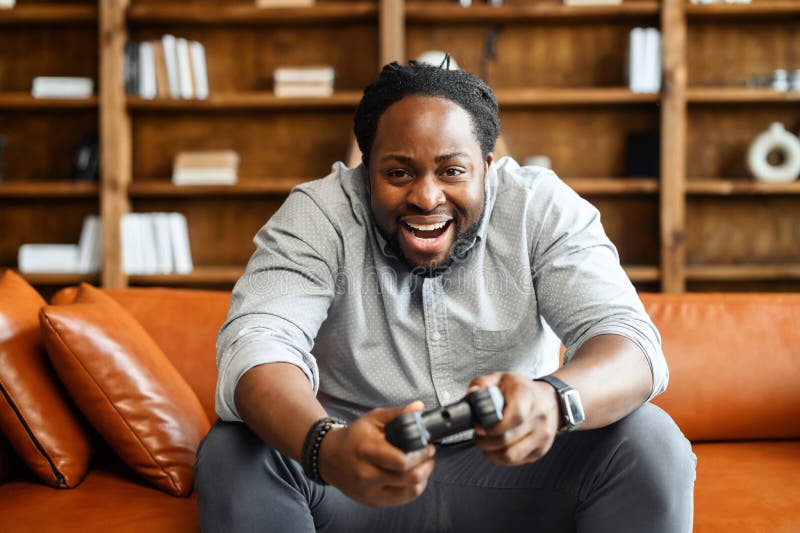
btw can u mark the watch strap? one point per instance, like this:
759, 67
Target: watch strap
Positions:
556, 383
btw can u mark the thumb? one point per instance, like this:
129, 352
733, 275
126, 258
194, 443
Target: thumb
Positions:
387, 415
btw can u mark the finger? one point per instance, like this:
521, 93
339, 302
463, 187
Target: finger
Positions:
414, 476
484, 381
523, 451
384, 416
400, 495
392, 459
507, 439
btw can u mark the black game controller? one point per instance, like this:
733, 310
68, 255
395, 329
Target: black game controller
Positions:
413, 431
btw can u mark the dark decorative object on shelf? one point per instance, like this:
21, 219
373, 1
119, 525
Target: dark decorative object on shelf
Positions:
643, 158
86, 165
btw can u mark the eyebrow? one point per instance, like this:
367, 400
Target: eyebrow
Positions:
407, 160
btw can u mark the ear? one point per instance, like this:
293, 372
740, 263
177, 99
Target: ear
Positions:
486, 166
365, 162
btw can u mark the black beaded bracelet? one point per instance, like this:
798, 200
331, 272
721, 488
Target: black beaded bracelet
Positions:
309, 457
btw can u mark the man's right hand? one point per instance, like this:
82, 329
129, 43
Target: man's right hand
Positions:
360, 462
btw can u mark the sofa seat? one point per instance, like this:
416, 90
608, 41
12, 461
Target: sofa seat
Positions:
747, 487
110, 498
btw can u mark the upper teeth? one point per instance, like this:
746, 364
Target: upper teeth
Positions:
427, 227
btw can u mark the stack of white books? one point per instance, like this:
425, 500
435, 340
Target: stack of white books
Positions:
170, 67
84, 258
155, 243
304, 82
209, 167
644, 60
62, 87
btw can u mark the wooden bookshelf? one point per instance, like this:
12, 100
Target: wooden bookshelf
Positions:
558, 73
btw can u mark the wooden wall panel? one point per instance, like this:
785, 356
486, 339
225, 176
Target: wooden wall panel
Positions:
551, 54
597, 134
632, 225
293, 144
760, 230
41, 144
728, 52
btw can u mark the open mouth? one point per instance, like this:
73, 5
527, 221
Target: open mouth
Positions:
428, 231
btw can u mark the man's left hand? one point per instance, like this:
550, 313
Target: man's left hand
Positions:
530, 419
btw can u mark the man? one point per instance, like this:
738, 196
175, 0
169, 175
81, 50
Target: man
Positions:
428, 271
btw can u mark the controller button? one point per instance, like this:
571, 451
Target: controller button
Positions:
436, 336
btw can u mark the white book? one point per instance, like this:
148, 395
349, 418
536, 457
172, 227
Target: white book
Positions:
90, 245
303, 90
62, 87
184, 68
163, 243
198, 56
7, 4
653, 59
592, 2
131, 252
284, 3
147, 71
149, 251
316, 74
203, 179
636, 59
181, 251
48, 258
168, 43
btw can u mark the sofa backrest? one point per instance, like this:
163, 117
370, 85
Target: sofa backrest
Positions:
734, 363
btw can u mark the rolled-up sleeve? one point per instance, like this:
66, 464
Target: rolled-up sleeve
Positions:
280, 302
582, 290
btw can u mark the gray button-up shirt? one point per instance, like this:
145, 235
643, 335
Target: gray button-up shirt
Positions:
324, 292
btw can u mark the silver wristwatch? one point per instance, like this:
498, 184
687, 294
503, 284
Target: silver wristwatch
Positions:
572, 415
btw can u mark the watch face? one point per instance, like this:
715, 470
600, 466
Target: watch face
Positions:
573, 409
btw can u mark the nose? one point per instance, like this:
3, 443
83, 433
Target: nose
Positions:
426, 194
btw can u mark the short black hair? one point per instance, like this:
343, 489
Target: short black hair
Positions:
397, 81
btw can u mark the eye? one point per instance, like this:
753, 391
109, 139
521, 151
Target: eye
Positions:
397, 174
453, 172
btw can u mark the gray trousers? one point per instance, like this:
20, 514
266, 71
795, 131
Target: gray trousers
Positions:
636, 475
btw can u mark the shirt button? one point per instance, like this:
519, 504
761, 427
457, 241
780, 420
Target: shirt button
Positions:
436, 336
446, 396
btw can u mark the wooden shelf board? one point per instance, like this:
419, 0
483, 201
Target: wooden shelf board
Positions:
449, 13
59, 279
24, 100
164, 188
215, 13
736, 95
760, 8
201, 275
613, 185
743, 272
247, 100
42, 189
710, 186
572, 96
49, 13
642, 273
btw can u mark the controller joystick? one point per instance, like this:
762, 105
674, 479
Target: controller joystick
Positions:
413, 431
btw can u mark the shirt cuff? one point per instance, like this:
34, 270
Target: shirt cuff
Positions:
252, 354
650, 348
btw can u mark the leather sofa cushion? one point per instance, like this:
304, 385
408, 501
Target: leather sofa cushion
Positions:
111, 499
36, 415
733, 361
184, 323
747, 487
5, 460
126, 387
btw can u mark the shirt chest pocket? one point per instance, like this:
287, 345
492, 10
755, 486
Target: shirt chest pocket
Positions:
501, 350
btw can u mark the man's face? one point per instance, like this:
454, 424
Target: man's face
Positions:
426, 178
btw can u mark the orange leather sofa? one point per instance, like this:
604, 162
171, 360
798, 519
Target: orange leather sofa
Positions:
734, 390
